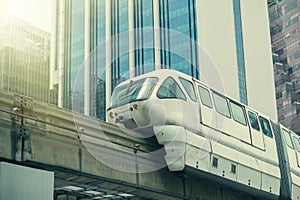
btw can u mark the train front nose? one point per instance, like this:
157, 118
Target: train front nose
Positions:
127, 103
129, 116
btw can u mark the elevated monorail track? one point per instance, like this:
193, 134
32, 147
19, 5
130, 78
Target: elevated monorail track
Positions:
42, 136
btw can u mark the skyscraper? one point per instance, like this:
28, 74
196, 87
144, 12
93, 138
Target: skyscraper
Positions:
98, 43
285, 31
25, 59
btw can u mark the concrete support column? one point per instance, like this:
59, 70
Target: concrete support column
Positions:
108, 52
131, 38
156, 16
87, 67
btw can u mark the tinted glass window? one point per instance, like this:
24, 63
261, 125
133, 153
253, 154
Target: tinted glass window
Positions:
238, 113
189, 88
135, 90
170, 89
253, 120
287, 138
265, 126
147, 88
221, 105
205, 97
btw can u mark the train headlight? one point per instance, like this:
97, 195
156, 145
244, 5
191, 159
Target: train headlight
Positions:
135, 106
111, 115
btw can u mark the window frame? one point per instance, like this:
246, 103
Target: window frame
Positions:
284, 132
243, 110
262, 129
136, 98
257, 120
181, 80
209, 95
160, 97
297, 143
223, 97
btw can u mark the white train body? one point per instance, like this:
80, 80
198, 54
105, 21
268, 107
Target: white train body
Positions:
206, 132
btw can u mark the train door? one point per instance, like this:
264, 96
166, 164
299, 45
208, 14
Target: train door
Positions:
257, 136
231, 118
269, 140
208, 117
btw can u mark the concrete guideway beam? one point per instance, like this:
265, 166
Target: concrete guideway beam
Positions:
50, 141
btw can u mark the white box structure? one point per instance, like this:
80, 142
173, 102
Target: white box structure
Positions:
19, 183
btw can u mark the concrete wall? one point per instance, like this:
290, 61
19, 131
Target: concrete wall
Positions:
258, 57
216, 34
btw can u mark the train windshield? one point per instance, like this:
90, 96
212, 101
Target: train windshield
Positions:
133, 91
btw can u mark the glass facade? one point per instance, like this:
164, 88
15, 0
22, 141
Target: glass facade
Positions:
179, 16
97, 58
73, 97
74, 57
240, 51
24, 60
58, 18
120, 41
144, 36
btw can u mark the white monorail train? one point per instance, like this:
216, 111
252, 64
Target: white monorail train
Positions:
206, 132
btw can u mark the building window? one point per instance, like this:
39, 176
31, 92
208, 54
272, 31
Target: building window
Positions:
74, 98
120, 64
179, 16
144, 36
278, 95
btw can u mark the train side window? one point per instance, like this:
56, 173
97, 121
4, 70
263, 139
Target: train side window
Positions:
265, 126
170, 89
287, 138
238, 113
296, 142
253, 120
189, 88
221, 105
205, 97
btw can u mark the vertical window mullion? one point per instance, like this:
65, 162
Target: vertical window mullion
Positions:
142, 37
168, 37
240, 51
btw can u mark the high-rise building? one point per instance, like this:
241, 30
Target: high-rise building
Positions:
285, 32
100, 42
25, 59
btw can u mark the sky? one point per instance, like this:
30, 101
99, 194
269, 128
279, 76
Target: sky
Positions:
37, 12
